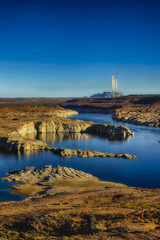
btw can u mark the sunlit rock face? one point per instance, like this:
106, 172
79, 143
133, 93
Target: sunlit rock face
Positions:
18, 141
113, 130
36, 175
27, 128
21, 144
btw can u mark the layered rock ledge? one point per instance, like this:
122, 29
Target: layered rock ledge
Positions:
14, 134
40, 182
64, 152
146, 115
21, 144
47, 174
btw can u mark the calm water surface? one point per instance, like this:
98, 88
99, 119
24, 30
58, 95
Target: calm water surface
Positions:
144, 171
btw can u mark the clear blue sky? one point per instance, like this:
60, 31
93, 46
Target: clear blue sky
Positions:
71, 48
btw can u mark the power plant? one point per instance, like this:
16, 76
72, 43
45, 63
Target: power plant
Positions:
114, 92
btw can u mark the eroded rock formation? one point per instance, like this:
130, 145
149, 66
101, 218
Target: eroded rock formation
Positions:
47, 174
39, 182
64, 152
139, 115
20, 144
14, 135
114, 130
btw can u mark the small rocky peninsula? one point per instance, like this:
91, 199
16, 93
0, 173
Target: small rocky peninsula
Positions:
63, 152
39, 182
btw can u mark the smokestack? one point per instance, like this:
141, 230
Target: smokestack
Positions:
113, 83
116, 84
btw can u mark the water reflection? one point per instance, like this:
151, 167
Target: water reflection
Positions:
59, 137
114, 138
52, 138
18, 155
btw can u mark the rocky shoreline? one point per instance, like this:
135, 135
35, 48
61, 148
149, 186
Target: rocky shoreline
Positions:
135, 109
138, 115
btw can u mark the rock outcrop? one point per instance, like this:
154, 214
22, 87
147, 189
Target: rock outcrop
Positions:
46, 174
20, 144
18, 122
114, 130
88, 153
148, 116
14, 138
73, 126
62, 126
38, 182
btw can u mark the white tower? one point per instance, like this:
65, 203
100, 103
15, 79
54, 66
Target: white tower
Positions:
116, 83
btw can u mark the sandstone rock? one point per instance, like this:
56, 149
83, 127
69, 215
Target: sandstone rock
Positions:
17, 140
139, 115
39, 182
20, 144
104, 129
39, 175
64, 152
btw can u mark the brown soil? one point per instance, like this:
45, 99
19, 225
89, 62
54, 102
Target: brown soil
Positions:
98, 212
110, 104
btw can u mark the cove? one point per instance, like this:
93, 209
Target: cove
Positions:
144, 171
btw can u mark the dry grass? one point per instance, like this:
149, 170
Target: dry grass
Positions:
99, 213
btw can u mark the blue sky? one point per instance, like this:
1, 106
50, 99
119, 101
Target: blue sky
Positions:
71, 48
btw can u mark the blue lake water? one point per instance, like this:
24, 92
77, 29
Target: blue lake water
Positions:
144, 171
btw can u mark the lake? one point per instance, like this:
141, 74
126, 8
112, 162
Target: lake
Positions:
144, 171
